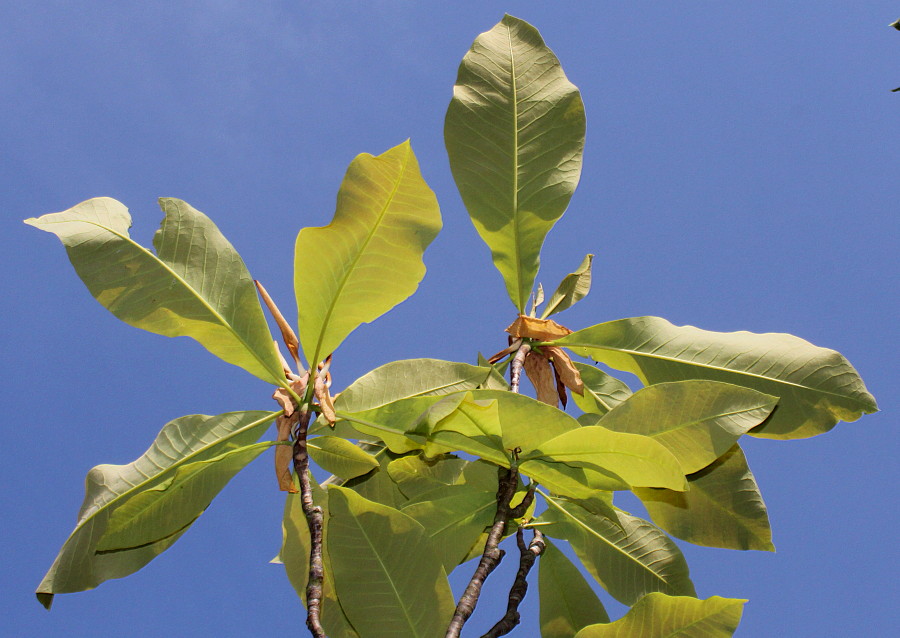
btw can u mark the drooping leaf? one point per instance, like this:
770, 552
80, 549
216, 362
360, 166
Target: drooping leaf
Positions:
515, 134
629, 557
537, 368
369, 258
377, 485
572, 289
697, 420
186, 454
567, 601
340, 457
632, 460
660, 616
722, 508
294, 555
386, 573
196, 285
816, 387
602, 392
454, 517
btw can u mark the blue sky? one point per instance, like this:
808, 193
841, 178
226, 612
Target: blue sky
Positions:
740, 173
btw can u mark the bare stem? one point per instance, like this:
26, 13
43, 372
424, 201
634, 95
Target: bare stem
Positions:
314, 520
527, 556
492, 553
515, 368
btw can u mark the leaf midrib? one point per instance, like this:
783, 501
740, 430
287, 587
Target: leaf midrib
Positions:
520, 303
348, 271
180, 280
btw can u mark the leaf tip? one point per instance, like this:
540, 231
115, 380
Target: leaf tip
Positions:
45, 599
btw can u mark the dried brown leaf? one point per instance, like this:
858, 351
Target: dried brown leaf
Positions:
287, 333
539, 372
284, 454
285, 399
561, 390
326, 402
540, 329
565, 369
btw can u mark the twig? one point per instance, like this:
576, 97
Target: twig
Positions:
515, 368
492, 553
527, 556
314, 519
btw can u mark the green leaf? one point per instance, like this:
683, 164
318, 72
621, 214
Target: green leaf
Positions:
816, 387
340, 457
698, 421
386, 574
454, 516
573, 288
515, 135
629, 557
602, 392
195, 286
632, 460
661, 616
294, 555
378, 485
167, 488
722, 508
369, 258
416, 475
567, 601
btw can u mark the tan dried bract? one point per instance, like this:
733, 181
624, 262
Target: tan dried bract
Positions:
540, 329
539, 372
566, 371
284, 454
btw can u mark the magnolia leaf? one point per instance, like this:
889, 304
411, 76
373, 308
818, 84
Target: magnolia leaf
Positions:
602, 392
454, 517
567, 601
369, 258
816, 387
294, 555
572, 289
386, 574
540, 329
186, 453
537, 368
515, 135
629, 557
637, 460
660, 616
196, 285
697, 420
377, 485
409, 378
416, 475
536, 300
340, 457
722, 508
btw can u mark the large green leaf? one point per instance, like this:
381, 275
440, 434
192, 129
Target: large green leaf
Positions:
415, 474
629, 556
387, 576
454, 516
294, 555
602, 392
369, 258
661, 616
164, 490
573, 288
632, 459
567, 601
340, 457
196, 285
722, 508
816, 387
697, 420
515, 134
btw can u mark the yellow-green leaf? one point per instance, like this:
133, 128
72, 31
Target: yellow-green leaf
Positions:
369, 258
816, 387
515, 135
573, 288
196, 285
660, 616
340, 457
567, 601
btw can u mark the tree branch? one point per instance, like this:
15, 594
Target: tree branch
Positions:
314, 519
515, 368
527, 556
492, 553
